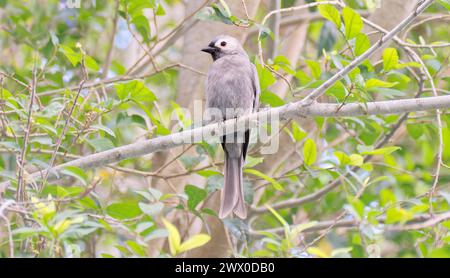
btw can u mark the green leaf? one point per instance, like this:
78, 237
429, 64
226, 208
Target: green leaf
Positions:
317, 252
356, 160
75, 172
160, 10
135, 90
387, 197
136, 248
415, 130
271, 99
104, 128
194, 242
91, 63
123, 210
266, 77
195, 195
343, 158
222, 15
143, 27
151, 209
373, 82
353, 23
297, 132
257, 173
395, 215
214, 183
278, 217
331, 13
309, 152
207, 173
74, 57
445, 4
362, 43
100, 144
251, 161
409, 64
136, 7
390, 59
314, 66
226, 8
174, 237
382, 151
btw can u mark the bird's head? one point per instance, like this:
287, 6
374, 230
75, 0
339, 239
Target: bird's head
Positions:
222, 46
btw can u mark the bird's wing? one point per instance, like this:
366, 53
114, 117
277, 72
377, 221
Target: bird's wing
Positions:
256, 93
256, 88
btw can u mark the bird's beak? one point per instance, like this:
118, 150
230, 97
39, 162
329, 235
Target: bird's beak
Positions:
209, 50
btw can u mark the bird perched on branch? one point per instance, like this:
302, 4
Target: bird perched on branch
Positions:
232, 88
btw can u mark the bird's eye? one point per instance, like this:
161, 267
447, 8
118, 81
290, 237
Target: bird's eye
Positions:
224, 43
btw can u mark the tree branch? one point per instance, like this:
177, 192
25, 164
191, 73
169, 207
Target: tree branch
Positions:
419, 221
288, 111
381, 42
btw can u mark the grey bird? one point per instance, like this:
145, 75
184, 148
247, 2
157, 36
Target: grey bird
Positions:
232, 84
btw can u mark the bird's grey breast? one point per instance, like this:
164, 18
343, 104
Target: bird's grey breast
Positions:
229, 84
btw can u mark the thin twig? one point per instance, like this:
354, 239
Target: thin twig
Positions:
20, 195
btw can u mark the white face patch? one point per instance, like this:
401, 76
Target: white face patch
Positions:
227, 44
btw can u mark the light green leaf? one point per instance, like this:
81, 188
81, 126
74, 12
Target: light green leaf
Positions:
278, 217
123, 210
340, 251
135, 90
390, 59
74, 57
387, 197
174, 237
271, 99
257, 173
297, 132
151, 209
395, 215
104, 128
445, 4
353, 23
75, 172
100, 144
373, 82
266, 77
195, 195
226, 8
317, 252
314, 66
362, 43
143, 27
160, 10
194, 242
309, 152
136, 248
356, 160
251, 161
91, 63
331, 13
409, 65
382, 151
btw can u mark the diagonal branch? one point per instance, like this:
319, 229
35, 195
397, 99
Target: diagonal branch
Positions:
378, 45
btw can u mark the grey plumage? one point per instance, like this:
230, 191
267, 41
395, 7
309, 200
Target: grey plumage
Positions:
232, 83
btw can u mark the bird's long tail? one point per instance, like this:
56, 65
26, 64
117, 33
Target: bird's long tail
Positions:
232, 198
